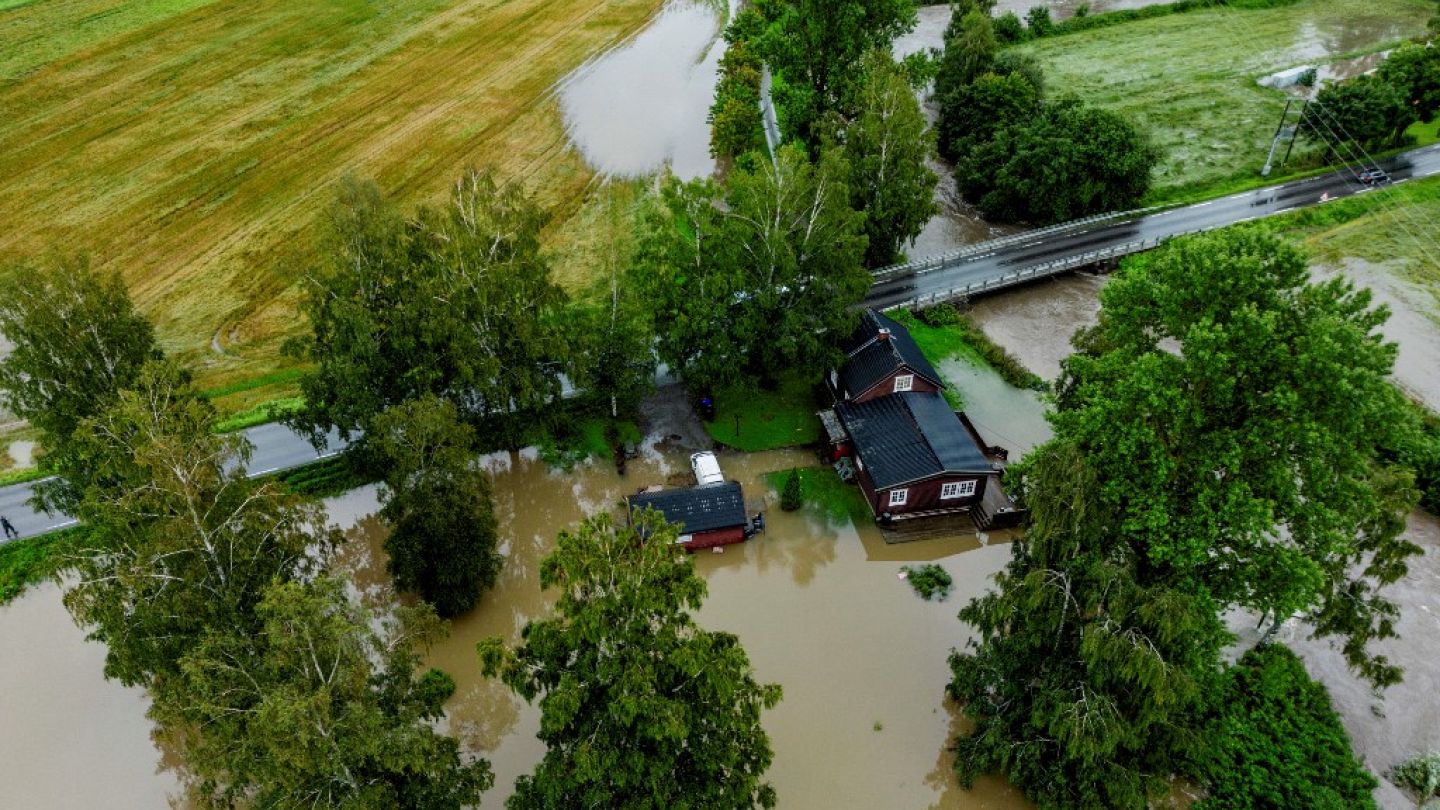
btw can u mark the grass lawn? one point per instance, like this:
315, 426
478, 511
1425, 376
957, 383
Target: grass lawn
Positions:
826, 495
1425, 134
1190, 79
963, 339
752, 420
192, 144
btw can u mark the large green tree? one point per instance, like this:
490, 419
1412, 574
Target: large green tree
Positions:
1069, 161
322, 706
1362, 113
442, 541
640, 708
969, 53
816, 48
1415, 70
457, 302
763, 283
77, 342
972, 115
1219, 438
885, 148
1239, 413
179, 541
1082, 676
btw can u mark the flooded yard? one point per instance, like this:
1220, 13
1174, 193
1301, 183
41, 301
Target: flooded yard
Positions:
815, 600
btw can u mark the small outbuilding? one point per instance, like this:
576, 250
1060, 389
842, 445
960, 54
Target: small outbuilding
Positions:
708, 515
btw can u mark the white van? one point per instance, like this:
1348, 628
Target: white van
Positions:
706, 468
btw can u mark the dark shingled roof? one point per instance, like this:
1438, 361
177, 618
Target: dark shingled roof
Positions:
697, 509
909, 437
870, 360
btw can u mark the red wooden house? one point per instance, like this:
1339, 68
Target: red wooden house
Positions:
914, 458
882, 359
708, 515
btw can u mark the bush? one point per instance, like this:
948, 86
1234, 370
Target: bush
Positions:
29, 560
790, 497
1420, 774
1009, 30
1272, 740
1039, 22
930, 581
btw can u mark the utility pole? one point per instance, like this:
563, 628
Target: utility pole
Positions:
1295, 131
1275, 139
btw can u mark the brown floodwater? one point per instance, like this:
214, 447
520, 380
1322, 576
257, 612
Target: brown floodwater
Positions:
816, 602
643, 105
68, 737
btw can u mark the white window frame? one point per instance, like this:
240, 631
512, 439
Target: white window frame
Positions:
898, 497
957, 489
904, 382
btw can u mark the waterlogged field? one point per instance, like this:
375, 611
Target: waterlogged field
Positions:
191, 144
1190, 79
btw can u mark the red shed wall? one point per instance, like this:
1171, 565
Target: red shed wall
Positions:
716, 537
924, 496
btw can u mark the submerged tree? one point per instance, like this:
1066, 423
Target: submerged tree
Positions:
77, 342
639, 707
323, 706
458, 303
885, 148
442, 543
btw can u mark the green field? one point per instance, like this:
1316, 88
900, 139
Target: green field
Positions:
190, 144
1190, 79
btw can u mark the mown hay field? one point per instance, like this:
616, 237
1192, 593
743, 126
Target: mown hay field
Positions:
1190, 80
192, 144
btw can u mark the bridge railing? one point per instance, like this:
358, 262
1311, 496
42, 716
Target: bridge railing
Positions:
940, 261
1031, 273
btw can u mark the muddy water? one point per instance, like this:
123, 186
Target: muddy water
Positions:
1004, 415
643, 105
815, 601
1035, 322
68, 737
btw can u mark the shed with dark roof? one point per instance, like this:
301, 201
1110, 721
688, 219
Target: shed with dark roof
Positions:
882, 358
709, 515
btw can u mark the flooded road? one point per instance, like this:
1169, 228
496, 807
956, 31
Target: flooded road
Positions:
643, 105
815, 601
68, 737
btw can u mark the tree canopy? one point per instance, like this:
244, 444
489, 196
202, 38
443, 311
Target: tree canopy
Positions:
1219, 443
640, 708
885, 148
77, 342
457, 303
761, 284
816, 48
1069, 161
323, 707
179, 540
442, 541
1361, 113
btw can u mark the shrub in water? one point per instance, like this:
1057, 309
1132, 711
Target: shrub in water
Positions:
930, 581
790, 496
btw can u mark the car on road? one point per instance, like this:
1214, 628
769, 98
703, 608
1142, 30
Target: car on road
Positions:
1374, 177
706, 468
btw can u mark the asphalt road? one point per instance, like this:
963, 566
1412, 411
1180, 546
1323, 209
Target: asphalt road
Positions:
276, 448
1013, 256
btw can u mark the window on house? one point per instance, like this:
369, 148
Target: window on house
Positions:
898, 496
904, 382
957, 489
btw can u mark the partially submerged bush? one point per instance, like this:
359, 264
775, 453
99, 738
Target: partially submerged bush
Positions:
930, 581
1420, 774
